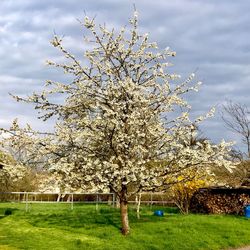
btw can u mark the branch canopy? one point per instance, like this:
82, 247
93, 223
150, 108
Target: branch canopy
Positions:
123, 122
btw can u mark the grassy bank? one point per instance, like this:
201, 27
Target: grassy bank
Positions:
55, 226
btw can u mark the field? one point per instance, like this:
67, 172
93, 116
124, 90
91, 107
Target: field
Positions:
55, 226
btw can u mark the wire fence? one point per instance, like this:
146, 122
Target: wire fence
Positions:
29, 198
69, 198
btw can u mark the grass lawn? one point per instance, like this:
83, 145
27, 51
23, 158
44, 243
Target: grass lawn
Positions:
55, 226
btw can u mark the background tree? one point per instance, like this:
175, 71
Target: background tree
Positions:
236, 116
121, 112
11, 173
238, 177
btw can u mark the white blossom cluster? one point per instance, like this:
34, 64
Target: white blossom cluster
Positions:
10, 171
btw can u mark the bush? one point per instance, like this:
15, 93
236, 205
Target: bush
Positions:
8, 211
182, 193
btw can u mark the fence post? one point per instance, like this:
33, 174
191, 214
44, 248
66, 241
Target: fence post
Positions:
96, 205
151, 199
26, 206
72, 201
113, 195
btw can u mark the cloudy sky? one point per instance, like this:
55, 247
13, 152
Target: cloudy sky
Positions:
209, 36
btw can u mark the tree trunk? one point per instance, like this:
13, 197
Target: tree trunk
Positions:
124, 217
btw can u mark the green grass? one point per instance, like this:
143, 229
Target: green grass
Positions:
55, 226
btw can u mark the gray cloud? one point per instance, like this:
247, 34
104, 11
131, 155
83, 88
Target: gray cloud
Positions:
209, 35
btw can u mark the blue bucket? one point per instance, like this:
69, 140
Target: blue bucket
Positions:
158, 213
247, 211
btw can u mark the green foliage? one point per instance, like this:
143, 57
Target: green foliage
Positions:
55, 226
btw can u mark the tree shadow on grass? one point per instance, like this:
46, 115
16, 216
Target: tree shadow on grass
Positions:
73, 219
88, 218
